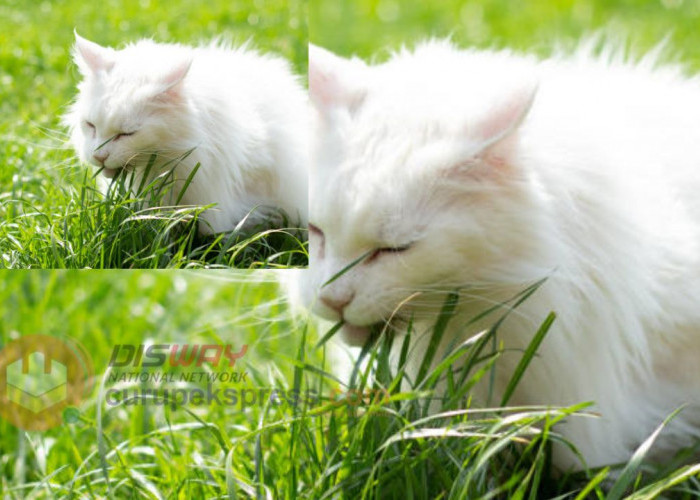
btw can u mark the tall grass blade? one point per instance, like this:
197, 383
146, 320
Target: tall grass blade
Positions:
631, 469
527, 357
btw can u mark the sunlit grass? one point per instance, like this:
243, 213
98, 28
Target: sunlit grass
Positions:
137, 226
300, 431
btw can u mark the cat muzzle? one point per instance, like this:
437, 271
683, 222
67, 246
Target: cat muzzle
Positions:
353, 335
110, 173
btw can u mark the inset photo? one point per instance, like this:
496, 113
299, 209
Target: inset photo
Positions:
134, 136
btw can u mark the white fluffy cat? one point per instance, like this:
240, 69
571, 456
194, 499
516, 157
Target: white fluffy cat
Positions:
489, 171
243, 114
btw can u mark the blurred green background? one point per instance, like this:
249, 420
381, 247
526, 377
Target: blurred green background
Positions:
101, 309
363, 27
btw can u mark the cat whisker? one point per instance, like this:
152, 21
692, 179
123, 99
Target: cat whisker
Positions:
428, 302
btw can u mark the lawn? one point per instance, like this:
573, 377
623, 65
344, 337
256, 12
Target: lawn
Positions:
51, 215
292, 430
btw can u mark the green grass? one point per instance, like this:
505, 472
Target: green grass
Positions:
378, 435
101, 309
140, 227
51, 214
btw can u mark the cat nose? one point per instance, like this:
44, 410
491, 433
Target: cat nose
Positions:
337, 303
100, 156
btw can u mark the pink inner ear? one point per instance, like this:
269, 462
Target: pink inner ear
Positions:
321, 87
323, 84
505, 118
333, 81
95, 57
173, 77
493, 154
172, 81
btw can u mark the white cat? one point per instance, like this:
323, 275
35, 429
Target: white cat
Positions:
243, 114
489, 171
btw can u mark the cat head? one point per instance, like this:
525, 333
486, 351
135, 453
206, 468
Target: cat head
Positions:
416, 179
130, 103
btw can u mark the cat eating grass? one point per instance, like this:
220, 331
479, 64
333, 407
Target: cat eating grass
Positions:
486, 171
237, 114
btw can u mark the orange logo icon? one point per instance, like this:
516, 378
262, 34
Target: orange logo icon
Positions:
40, 376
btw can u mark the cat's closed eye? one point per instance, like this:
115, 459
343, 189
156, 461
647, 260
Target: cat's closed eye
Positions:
123, 134
371, 256
91, 126
378, 252
314, 230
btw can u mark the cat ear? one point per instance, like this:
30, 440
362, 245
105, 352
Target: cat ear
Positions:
91, 57
491, 147
176, 74
171, 81
505, 118
334, 82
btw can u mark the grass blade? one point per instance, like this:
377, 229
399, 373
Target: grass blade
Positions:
527, 357
631, 469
